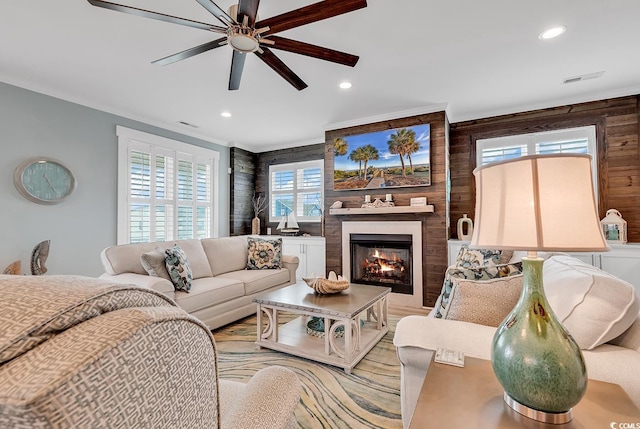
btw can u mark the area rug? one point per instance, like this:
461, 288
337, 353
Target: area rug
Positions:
369, 397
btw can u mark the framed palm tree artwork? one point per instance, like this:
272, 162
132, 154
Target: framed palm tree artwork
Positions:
383, 159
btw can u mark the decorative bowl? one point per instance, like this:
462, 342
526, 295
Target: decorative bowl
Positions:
332, 284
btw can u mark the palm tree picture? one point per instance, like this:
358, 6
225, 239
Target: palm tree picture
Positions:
383, 159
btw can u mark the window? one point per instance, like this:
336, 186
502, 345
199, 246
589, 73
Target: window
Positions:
570, 140
166, 189
296, 187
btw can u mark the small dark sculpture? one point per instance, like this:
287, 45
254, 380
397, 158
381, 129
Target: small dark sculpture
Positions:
39, 257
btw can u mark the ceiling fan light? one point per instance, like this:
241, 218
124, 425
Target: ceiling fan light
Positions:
552, 32
243, 43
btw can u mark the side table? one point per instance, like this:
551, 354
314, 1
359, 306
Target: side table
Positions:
471, 397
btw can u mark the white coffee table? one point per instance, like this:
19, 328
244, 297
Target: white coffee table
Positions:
360, 311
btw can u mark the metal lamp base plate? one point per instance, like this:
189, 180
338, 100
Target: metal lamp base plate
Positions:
541, 416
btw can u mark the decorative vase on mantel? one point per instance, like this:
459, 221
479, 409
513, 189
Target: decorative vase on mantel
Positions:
255, 226
464, 221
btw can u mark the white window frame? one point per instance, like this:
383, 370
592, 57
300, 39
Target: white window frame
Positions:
128, 140
531, 140
295, 166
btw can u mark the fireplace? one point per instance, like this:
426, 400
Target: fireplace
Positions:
383, 260
399, 244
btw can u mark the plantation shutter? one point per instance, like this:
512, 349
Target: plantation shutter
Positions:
296, 187
170, 194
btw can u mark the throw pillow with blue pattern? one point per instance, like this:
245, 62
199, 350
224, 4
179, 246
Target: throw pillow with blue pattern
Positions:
178, 268
474, 273
264, 254
469, 258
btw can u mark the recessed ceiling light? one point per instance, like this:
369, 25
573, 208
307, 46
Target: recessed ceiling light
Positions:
345, 85
552, 32
225, 114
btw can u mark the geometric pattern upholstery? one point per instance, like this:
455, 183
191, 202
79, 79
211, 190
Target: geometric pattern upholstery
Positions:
36, 308
120, 356
115, 371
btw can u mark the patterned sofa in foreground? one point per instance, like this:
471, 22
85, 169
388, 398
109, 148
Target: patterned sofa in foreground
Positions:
77, 352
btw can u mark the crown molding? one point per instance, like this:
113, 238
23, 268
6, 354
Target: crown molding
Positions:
441, 107
603, 95
82, 101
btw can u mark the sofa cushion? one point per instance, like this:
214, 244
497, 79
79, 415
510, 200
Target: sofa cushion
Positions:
593, 305
197, 257
209, 291
154, 263
476, 273
264, 254
125, 258
226, 254
469, 258
178, 268
483, 302
259, 280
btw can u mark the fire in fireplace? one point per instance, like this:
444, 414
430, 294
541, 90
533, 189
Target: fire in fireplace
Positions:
383, 260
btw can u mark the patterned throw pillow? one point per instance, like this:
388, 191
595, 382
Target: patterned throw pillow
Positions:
469, 258
264, 254
154, 263
476, 273
486, 302
178, 268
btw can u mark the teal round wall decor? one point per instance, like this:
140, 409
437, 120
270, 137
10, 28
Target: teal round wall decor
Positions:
44, 180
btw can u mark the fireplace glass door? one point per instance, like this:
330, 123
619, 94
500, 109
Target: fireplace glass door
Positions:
382, 260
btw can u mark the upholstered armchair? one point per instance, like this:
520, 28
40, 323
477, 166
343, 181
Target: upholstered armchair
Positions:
77, 352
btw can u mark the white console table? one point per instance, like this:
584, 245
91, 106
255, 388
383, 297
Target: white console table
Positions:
622, 261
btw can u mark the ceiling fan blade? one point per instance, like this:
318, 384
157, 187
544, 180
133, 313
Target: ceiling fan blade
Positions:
314, 51
155, 15
281, 68
216, 11
190, 52
237, 65
308, 14
248, 8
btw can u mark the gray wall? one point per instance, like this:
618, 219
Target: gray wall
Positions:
84, 139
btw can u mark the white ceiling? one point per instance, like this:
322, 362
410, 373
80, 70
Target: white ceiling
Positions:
476, 58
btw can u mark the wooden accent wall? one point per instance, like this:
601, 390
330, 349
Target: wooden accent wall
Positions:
434, 225
242, 187
285, 156
617, 133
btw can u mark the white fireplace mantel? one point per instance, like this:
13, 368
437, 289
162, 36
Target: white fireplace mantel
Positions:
414, 228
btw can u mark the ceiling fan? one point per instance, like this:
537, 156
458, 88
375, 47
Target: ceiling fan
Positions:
245, 34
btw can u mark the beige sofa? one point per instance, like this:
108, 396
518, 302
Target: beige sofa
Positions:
77, 352
599, 310
222, 290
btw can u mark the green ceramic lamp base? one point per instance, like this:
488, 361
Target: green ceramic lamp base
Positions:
541, 416
535, 359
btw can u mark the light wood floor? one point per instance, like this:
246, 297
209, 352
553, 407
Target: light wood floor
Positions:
408, 311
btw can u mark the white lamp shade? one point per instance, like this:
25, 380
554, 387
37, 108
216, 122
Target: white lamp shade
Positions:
540, 202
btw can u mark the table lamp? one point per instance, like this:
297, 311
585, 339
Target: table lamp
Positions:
537, 203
